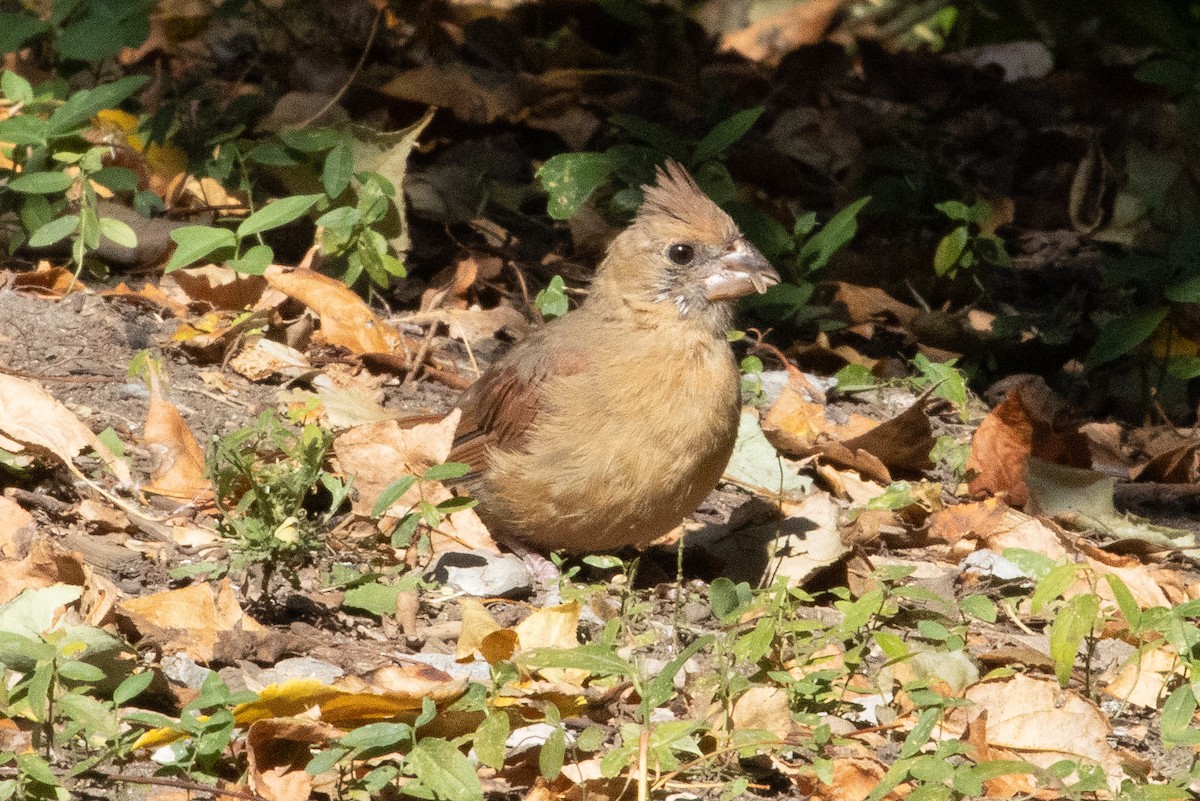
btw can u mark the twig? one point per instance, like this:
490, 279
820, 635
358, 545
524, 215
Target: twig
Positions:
643, 760
65, 379
362, 59
179, 784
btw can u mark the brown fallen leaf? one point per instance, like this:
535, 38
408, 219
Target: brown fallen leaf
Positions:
192, 620
1009, 435
1028, 715
277, 752
47, 281
377, 454
29, 415
346, 321
178, 470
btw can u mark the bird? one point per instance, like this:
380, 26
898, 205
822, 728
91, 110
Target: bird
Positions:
605, 427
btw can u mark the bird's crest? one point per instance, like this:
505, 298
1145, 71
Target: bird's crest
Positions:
675, 195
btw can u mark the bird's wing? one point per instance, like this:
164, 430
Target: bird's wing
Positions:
500, 408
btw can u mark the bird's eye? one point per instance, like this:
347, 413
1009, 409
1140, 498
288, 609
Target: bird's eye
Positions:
681, 254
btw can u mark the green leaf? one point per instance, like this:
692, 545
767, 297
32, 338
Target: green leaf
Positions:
24, 129
979, 607
15, 30
41, 183
132, 687
950, 250
378, 599
921, 730
600, 660
1178, 711
103, 30
311, 140
118, 179
1185, 368
552, 755
727, 599
195, 242
12, 85
657, 136
1052, 585
1186, 291
948, 381
631, 12
490, 739
1174, 75
391, 494
969, 779
661, 688
1073, 622
724, 134
819, 248
273, 215
324, 761
1123, 335
118, 232
551, 302
855, 378
571, 178
36, 768
254, 261
458, 503
447, 471
80, 107
377, 736
1125, 600
272, 155
54, 231
443, 770
80, 671
338, 169
955, 210
1033, 564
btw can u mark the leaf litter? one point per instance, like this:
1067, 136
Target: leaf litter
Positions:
931, 666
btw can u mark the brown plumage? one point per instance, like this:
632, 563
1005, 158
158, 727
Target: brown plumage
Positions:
608, 425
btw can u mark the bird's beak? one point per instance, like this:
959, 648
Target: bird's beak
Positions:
739, 272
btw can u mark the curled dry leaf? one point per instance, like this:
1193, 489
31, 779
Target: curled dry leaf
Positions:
29, 415
275, 766
800, 428
47, 282
178, 460
191, 620
1009, 435
346, 321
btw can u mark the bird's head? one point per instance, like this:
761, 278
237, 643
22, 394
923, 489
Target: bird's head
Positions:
684, 251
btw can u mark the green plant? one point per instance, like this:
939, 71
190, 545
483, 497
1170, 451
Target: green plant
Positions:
423, 511
263, 477
972, 243
207, 727
571, 178
360, 228
54, 172
552, 302
89, 31
752, 386
946, 379
372, 757
803, 253
66, 680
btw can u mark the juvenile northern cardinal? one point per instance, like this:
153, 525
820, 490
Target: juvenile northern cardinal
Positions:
608, 425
